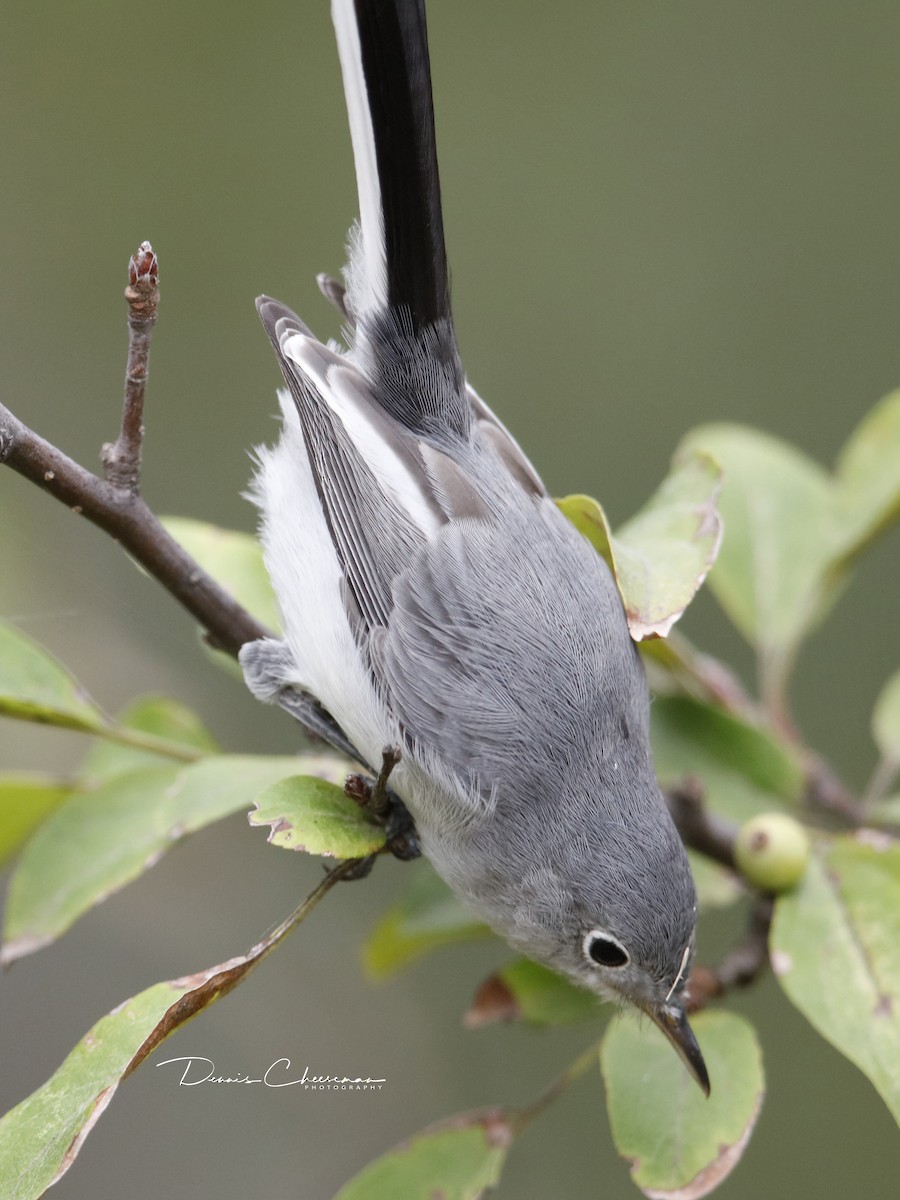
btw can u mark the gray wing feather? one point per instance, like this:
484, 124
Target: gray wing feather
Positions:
505, 445
374, 535
374, 538
486, 649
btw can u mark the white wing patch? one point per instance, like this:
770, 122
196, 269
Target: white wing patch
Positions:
306, 576
372, 432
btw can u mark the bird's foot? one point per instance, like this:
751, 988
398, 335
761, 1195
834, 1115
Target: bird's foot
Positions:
386, 807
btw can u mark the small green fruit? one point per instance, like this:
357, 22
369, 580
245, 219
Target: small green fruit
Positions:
771, 852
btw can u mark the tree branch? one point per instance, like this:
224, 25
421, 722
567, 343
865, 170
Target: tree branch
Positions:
126, 518
114, 505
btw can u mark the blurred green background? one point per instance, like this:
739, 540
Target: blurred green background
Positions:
657, 214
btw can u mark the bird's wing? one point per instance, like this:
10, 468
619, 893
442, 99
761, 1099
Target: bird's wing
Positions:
484, 646
372, 486
464, 639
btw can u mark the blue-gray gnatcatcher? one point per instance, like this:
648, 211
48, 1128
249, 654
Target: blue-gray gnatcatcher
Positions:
433, 596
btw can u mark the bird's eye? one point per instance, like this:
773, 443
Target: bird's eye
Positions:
605, 950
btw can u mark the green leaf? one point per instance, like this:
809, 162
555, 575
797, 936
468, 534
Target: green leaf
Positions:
887, 811
868, 477
744, 770
428, 916
886, 720
99, 841
674, 665
588, 517
25, 801
41, 1137
315, 816
35, 687
230, 783
681, 1145
835, 946
92, 845
526, 991
161, 718
234, 560
778, 509
793, 530
545, 998
459, 1159
662, 555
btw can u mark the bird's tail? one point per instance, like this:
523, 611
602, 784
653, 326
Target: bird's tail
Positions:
398, 286
401, 260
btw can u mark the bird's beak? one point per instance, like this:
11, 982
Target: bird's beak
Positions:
672, 1020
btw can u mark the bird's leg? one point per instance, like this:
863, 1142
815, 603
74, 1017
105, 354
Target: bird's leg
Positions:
377, 799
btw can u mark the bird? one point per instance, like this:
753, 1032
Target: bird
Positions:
435, 599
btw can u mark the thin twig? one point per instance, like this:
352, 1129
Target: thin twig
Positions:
741, 966
206, 987
122, 458
587, 1059
699, 828
823, 790
886, 771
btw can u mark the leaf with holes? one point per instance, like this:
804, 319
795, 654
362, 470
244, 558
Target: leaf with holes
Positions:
316, 817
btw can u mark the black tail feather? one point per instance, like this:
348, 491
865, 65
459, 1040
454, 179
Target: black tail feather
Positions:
397, 71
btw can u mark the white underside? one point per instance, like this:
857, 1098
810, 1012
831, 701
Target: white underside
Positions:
306, 575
